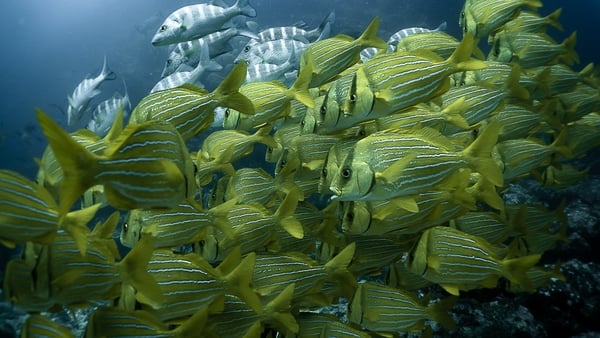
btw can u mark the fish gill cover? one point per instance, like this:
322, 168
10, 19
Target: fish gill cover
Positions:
288, 181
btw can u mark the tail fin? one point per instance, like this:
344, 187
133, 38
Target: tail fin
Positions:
533, 4
439, 312
441, 27
227, 93
245, 8
552, 19
133, 271
239, 280
478, 154
279, 310
324, 27
76, 225
106, 73
570, 57
369, 37
79, 164
515, 270
286, 219
300, 87
461, 58
337, 268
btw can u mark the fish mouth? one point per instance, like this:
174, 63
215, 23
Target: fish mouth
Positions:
337, 192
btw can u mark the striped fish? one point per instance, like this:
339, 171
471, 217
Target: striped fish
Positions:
263, 72
460, 262
487, 225
147, 166
271, 100
392, 164
316, 325
483, 17
23, 290
531, 50
579, 102
395, 38
173, 227
188, 283
37, 325
440, 43
205, 64
400, 80
272, 51
423, 115
519, 121
117, 322
29, 213
327, 58
195, 21
254, 229
191, 109
239, 142
274, 272
190, 52
310, 150
528, 21
254, 185
382, 309
297, 33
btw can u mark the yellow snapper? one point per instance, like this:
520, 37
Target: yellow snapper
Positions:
189, 282
191, 109
147, 166
182, 224
271, 100
321, 324
532, 22
255, 185
29, 213
38, 325
531, 50
24, 287
329, 57
391, 82
483, 17
384, 309
398, 163
458, 261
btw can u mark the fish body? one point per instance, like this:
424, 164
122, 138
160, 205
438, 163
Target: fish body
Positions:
440, 43
321, 324
191, 52
390, 164
191, 109
327, 58
263, 72
395, 38
195, 21
531, 50
532, 22
383, 309
38, 325
483, 18
181, 77
273, 51
85, 91
147, 166
459, 261
105, 113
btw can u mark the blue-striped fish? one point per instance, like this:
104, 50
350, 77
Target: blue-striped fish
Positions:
85, 92
395, 38
384, 309
528, 21
147, 166
483, 17
399, 163
458, 261
191, 109
327, 58
205, 64
24, 287
195, 21
316, 325
487, 225
179, 225
274, 272
29, 213
400, 80
188, 282
37, 325
254, 228
255, 185
531, 50
440, 43
118, 322
271, 100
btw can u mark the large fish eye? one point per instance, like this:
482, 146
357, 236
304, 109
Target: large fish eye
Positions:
227, 112
125, 227
324, 172
163, 28
323, 109
247, 49
270, 150
353, 98
346, 173
169, 61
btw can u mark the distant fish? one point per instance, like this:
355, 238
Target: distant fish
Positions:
179, 78
106, 112
195, 21
401, 34
85, 91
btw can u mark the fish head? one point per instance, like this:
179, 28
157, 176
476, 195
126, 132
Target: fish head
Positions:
329, 112
168, 33
359, 99
246, 52
501, 48
131, 231
330, 167
231, 119
173, 62
308, 124
356, 217
208, 248
273, 153
353, 180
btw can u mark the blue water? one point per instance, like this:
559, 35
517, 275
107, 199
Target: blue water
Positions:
49, 46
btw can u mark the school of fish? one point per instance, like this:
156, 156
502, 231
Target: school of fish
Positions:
392, 164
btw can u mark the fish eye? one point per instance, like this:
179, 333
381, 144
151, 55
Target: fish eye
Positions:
163, 28
346, 173
353, 98
169, 61
227, 112
247, 49
269, 150
125, 227
323, 109
324, 172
